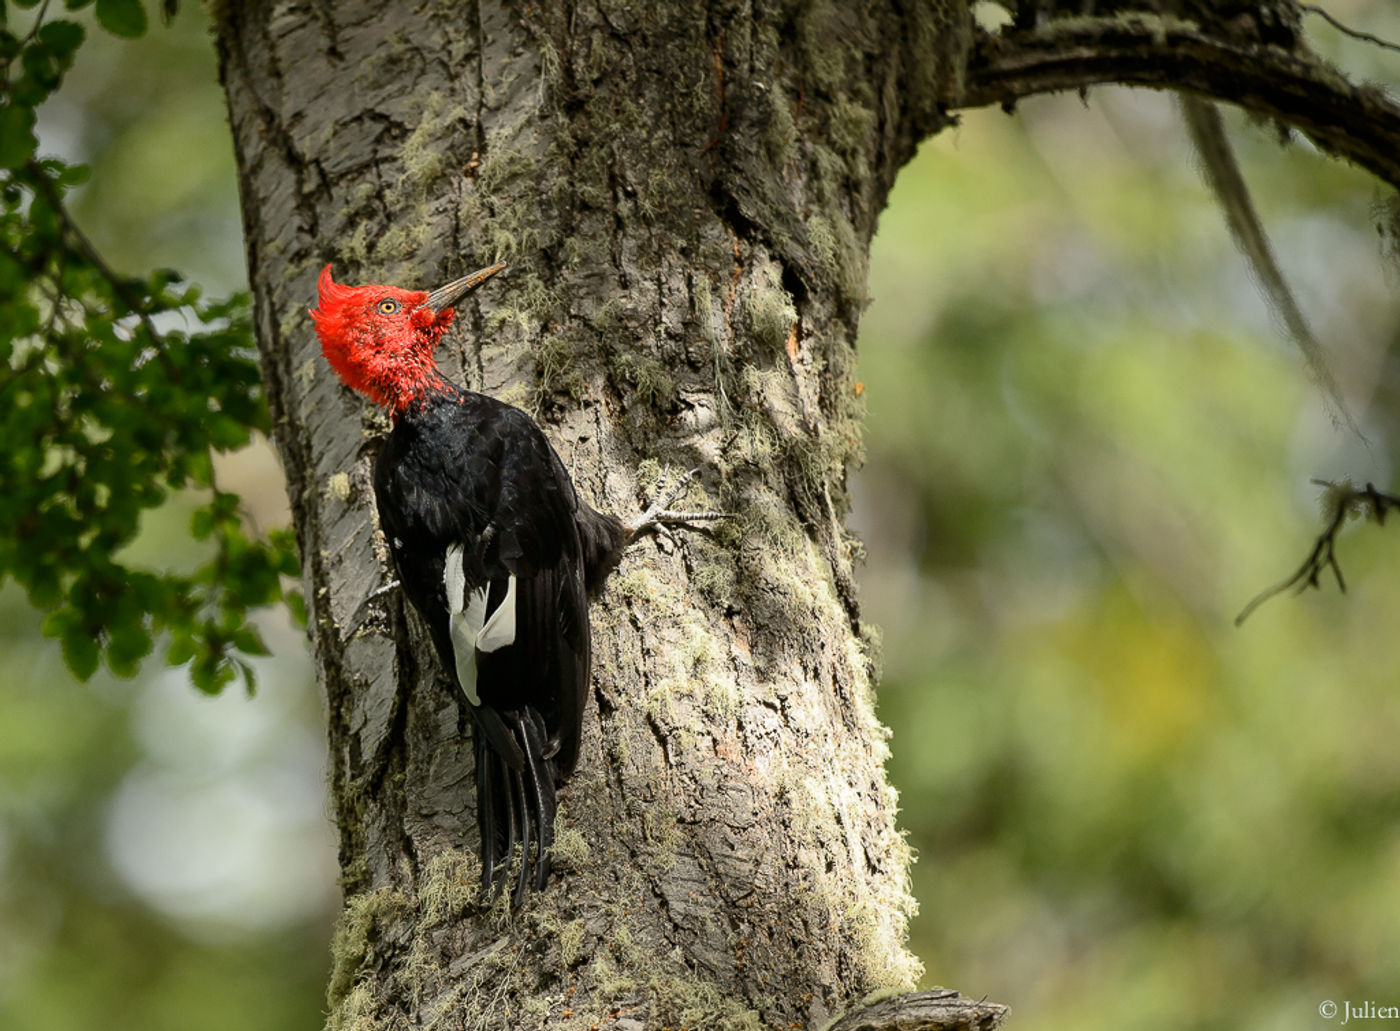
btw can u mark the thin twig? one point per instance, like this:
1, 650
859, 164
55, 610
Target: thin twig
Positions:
45, 187
38, 23
1346, 30
1344, 501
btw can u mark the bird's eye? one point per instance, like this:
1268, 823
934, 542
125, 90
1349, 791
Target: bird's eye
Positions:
388, 307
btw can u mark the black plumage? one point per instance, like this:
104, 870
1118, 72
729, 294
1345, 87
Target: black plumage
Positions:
463, 478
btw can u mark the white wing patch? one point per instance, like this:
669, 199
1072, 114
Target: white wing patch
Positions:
499, 630
470, 629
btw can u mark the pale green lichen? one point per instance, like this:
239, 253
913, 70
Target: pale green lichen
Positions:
635, 584
355, 249
694, 1002
350, 943
398, 251
358, 1011
824, 63
606, 317
716, 581
780, 133
770, 314
449, 885
558, 370
610, 984
851, 131
501, 167
722, 697
338, 487
652, 384
570, 938
570, 852
830, 172
426, 154
840, 255
658, 701
630, 951
419, 964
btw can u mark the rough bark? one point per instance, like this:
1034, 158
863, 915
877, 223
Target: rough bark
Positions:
685, 194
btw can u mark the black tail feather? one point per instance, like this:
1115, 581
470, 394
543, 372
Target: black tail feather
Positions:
517, 787
505, 743
514, 803
539, 782
487, 807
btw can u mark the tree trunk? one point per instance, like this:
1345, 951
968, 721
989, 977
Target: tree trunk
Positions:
685, 196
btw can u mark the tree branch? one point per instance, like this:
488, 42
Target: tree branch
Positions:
1343, 502
938, 1009
1360, 124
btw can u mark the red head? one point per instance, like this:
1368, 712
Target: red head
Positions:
380, 339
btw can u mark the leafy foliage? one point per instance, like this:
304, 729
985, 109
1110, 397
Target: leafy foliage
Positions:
115, 391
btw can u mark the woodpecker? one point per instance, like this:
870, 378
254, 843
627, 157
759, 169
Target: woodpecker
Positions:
492, 546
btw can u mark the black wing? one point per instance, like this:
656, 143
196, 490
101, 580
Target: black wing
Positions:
481, 519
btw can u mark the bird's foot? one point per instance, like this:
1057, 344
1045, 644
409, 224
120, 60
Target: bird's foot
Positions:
658, 516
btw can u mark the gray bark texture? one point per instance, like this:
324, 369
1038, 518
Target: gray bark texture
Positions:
685, 193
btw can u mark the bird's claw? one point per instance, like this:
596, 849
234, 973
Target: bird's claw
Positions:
657, 515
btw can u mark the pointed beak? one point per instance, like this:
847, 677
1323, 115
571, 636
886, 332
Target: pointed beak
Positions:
446, 296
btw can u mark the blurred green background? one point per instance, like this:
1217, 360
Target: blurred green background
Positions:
1088, 446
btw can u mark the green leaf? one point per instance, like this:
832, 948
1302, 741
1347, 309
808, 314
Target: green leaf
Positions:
43, 72
17, 142
201, 523
57, 623
211, 673
80, 652
61, 37
296, 604
125, 18
181, 651
128, 646
72, 175
248, 641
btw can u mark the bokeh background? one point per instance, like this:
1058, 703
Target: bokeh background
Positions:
1088, 446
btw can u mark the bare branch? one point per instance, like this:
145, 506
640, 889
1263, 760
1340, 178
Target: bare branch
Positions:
1344, 502
1360, 124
